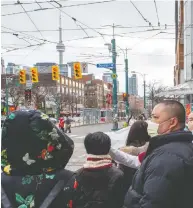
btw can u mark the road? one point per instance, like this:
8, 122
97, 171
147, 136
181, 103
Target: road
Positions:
78, 134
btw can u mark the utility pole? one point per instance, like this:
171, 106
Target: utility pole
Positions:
126, 83
6, 96
60, 48
113, 42
144, 82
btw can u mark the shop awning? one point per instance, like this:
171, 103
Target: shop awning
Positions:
178, 90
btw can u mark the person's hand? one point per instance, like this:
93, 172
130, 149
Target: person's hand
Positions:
124, 149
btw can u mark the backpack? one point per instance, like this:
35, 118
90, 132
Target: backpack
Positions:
5, 202
88, 197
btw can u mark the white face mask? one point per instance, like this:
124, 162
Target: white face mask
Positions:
153, 129
156, 126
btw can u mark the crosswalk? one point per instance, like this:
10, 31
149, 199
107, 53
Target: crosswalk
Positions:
72, 136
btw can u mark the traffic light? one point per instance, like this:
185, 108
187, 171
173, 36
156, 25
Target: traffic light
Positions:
28, 95
77, 70
55, 73
125, 97
34, 75
22, 76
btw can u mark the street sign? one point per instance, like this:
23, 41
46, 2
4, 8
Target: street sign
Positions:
114, 76
109, 65
28, 84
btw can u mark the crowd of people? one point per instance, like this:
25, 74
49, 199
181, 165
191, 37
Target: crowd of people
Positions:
148, 172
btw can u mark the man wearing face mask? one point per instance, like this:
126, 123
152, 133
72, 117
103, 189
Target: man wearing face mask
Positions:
190, 122
165, 178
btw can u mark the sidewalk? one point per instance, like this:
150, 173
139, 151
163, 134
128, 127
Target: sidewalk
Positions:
77, 124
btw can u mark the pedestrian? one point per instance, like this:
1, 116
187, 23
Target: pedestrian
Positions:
61, 124
34, 155
190, 122
99, 183
68, 124
165, 177
136, 143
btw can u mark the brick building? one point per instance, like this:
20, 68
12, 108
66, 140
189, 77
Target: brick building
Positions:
98, 94
47, 92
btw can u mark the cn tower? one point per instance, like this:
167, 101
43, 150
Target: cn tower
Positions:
60, 46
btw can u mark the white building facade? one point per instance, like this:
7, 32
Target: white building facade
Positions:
188, 40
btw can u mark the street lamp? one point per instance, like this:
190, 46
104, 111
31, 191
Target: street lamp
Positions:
144, 83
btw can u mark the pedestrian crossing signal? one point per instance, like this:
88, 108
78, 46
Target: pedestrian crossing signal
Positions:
125, 97
22, 76
34, 75
55, 73
77, 70
28, 95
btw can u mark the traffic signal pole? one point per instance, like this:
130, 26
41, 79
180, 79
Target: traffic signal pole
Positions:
114, 70
144, 82
126, 84
115, 79
6, 96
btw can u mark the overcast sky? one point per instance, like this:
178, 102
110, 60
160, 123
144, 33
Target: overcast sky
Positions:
154, 56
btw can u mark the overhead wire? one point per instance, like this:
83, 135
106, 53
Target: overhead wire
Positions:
73, 5
76, 20
30, 18
144, 40
39, 4
31, 52
30, 36
157, 12
29, 46
97, 28
145, 19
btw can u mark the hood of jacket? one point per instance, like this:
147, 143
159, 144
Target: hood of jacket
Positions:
135, 150
32, 144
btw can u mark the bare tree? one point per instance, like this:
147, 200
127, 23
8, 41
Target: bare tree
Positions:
154, 88
15, 92
16, 95
38, 95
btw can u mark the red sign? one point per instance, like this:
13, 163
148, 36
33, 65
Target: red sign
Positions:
109, 98
188, 110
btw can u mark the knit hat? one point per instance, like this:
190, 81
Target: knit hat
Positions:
32, 144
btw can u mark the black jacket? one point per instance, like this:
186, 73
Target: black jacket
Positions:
165, 178
128, 176
104, 188
12, 186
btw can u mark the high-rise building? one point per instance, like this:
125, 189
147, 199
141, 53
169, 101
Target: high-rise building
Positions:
133, 85
12, 68
107, 77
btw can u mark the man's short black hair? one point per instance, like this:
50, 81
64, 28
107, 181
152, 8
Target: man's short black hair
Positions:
177, 110
97, 143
